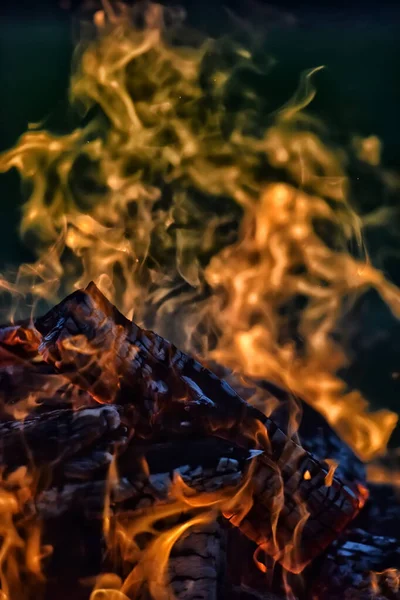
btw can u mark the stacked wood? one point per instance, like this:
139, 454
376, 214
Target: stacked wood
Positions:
356, 568
74, 449
112, 394
87, 340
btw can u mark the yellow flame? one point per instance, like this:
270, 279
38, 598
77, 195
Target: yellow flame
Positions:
117, 201
116, 220
377, 473
279, 257
389, 579
21, 549
108, 587
151, 562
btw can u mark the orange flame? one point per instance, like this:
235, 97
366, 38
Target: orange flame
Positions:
116, 201
111, 227
21, 550
389, 579
152, 562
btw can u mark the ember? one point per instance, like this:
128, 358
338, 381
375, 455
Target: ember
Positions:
132, 467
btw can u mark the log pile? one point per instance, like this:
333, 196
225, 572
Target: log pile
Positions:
121, 417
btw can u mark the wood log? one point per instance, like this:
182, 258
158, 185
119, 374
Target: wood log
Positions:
56, 435
197, 563
76, 490
147, 472
360, 565
27, 383
87, 340
357, 567
195, 570
79, 446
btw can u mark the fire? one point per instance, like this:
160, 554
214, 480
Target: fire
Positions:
333, 465
151, 564
21, 549
280, 257
388, 580
144, 199
97, 209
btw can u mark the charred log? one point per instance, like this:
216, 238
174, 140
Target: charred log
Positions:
21, 339
56, 435
87, 340
166, 416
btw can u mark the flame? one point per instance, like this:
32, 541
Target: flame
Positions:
333, 465
97, 205
387, 580
379, 474
21, 548
279, 257
144, 199
151, 563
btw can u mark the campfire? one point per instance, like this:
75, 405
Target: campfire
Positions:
173, 420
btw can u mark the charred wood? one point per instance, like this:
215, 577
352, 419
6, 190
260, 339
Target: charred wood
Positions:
359, 566
381, 514
196, 564
87, 340
147, 474
163, 405
47, 438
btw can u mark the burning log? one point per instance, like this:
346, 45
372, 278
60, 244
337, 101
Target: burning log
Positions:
56, 435
71, 453
21, 337
196, 567
355, 567
298, 508
197, 562
148, 472
123, 400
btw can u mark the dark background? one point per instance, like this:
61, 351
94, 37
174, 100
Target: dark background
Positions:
358, 92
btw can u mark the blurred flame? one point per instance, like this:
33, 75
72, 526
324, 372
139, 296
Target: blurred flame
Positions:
385, 581
108, 587
279, 257
21, 550
333, 465
152, 562
97, 212
125, 200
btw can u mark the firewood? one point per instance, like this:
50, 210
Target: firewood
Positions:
87, 340
82, 485
74, 450
357, 567
44, 439
362, 564
196, 561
